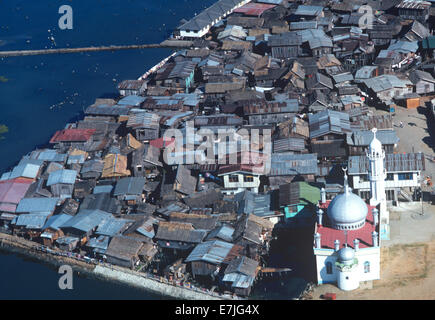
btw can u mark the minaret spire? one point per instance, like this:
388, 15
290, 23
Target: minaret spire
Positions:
346, 183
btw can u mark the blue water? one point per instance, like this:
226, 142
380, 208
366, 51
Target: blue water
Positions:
44, 92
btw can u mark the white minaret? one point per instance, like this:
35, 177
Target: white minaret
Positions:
377, 177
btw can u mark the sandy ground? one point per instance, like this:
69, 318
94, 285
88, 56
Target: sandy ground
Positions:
408, 258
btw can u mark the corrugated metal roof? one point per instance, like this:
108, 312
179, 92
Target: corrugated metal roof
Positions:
86, 220
106, 110
224, 232
62, 176
289, 144
103, 189
33, 205
386, 82
111, 227
301, 25
328, 121
54, 222
49, 155
363, 138
11, 192
304, 10
209, 15
129, 186
143, 119
308, 34
250, 202
287, 164
27, 170
254, 9
30, 221
394, 162
210, 251
72, 135
131, 100
100, 242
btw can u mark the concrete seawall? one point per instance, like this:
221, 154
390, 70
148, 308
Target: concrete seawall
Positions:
113, 273
152, 285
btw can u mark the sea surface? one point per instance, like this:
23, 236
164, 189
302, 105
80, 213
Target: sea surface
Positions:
40, 94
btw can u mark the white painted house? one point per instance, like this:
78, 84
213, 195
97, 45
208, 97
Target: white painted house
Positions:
245, 174
403, 174
199, 25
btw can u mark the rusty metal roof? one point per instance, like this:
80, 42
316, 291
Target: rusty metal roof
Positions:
394, 162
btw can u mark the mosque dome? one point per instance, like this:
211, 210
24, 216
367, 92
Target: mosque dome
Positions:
347, 211
346, 255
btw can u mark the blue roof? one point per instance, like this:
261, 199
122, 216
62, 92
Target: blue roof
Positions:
31, 221
129, 186
224, 232
103, 189
173, 119
100, 244
80, 158
62, 176
285, 163
111, 227
210, 251
37, 205
403, 46
131, 100
303, 10
54, 222
26, 171
51, 156
250, 202
86, 220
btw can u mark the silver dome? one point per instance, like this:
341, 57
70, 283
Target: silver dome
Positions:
347, 211
346, 255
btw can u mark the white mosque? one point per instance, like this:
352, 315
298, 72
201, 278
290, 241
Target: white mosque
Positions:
346, 239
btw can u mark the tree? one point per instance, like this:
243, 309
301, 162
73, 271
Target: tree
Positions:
3, 129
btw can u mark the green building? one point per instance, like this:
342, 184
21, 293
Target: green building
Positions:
298, 201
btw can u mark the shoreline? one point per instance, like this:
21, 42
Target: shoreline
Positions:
17, 245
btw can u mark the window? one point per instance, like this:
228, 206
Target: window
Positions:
364, 177
233, 178
366, 267
405, 176
328, 267
248, 179
390, 177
